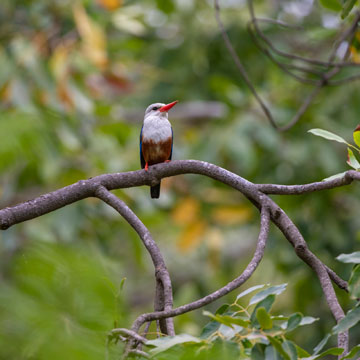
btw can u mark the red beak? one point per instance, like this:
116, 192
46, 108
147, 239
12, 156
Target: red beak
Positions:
167, 107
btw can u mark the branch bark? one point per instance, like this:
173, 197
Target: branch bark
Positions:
246, 274
100, 187
163, 294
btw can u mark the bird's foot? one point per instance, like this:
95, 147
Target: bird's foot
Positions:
146, 167
167, 161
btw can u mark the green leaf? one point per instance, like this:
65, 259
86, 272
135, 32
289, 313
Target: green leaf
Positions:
277, 345
248, 291
352, 258
333, 177
290, 349
235, 320
222, 309
327, 135
122, 283
356, 136
257, 353
301, 352
321, 344
307, 320
347, 7
264, 318
167, 342
271, 353
333, 5
227, 320
273, 290
354, 282
294, 321
331, 351
352, 161
217, 318
350, 319
352, 353
227, 332
165, 6
209, 329
266, 303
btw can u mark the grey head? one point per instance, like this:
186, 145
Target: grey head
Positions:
153, 109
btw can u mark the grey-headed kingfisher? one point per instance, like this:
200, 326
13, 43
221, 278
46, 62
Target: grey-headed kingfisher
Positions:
156, 139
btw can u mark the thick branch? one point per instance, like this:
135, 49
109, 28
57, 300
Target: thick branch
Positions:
82, 189
249, 270
293, 235
86, 188
163, 296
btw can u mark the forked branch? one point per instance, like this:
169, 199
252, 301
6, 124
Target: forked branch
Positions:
100, 187
298, 68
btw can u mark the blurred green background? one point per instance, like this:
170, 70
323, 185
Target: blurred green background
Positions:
75, 79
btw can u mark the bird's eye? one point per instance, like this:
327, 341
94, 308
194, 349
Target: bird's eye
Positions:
155, 108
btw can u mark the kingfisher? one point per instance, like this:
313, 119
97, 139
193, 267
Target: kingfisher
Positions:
156, 139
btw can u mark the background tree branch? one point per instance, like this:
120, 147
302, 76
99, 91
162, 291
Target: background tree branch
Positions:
266, 46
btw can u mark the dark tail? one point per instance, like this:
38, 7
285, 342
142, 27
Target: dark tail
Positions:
155, 191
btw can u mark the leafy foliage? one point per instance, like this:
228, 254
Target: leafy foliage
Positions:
75, 78
61, 303
352, 161
240, 331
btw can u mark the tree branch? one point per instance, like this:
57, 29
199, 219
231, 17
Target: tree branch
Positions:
240, 66
163, 295
324, 77
246, 274
275, 189
99, 187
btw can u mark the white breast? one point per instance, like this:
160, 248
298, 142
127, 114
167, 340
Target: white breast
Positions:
156, 128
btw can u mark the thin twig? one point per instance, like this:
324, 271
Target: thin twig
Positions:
292, 56
128, 333
274, 189
139, 353
324, 77
240, 66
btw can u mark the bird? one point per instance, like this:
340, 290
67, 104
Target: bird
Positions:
156, 139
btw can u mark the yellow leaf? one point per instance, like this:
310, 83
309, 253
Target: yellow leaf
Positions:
93, 36
64, 96
5, 91
192, 236
186, 211
215, 242
356, 135
230, 215
58, 62
110, 4
354, 54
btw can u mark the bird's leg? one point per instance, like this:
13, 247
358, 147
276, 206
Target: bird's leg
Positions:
146, 166
167, 161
